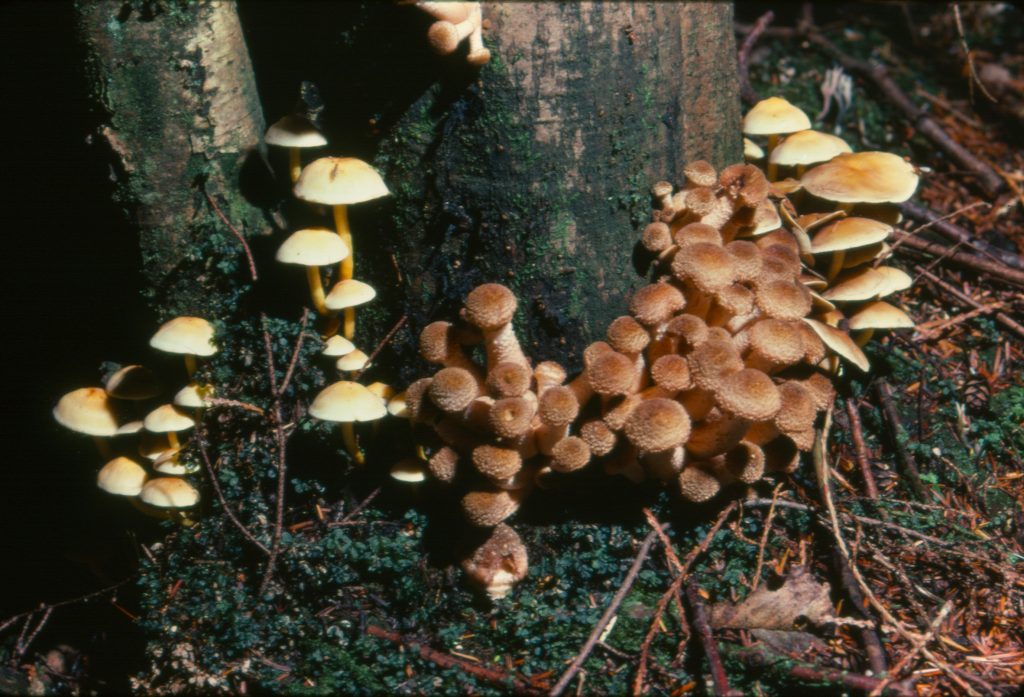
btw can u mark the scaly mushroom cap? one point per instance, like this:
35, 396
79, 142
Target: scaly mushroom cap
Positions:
657, 424
312, 247
708, 266
488, 508
346, 402
712, 361
167, 418
598, 437
777, 341
788, 256
850, 233
294, 131
700, 173
735, 299
748, 394
594, 351
499, 563
863, 177
134, 383
509, 379
821, 388
807, 148
436, 342
880, 315
570, 454
656, 303
745, 184
671, 373
169, 492
339, 181
746, 259
697, 484
657, 237
693, 233
611, 374
690, 330
766, 219
122, 477
511, 417
798, 408
415, 399
814, 347
191, 335
626, 335
745, 462
490, 306
453, 389
774, 116
87, 410
558, 406
497, 463
442, 464
781, 299
700, 201
548, 374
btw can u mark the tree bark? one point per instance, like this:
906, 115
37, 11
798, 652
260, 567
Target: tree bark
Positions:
182, 117
539, 174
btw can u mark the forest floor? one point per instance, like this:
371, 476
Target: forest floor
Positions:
903, 574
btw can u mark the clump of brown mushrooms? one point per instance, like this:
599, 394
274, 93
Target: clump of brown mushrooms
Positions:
456, 22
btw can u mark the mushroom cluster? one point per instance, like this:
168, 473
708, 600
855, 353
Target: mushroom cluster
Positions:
456, 22
130, 427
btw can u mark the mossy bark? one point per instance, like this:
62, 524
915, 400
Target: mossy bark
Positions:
538, 174
182, 118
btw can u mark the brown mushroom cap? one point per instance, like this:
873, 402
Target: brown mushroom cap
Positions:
656, 237
850, 233
453, 389
781, 299
840, 342
690, 330
697, 232
657, 424
490, 306
774, 116
821, 388
880, 315
488, 508
558, 406
436, 342
598, 437
745, 462
746, 259
863, 177
735, 299
415, 398
697, 484
708, 266
713, 360
498, 563
497, 463
626, 335
656, 303
442, 464
511, 417
776, 342
745, 184
509, 379
548, 374
87, 410
570, 454
671, 372
700, 173
611, 374
798, 408
748, 394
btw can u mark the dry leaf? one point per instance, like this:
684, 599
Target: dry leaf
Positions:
801, 598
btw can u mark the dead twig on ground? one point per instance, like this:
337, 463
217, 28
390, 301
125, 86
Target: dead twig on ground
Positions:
953, 232
863, 462
956, 294
719, 679
759, 658
908, 465
282, 459
992, 269
237, 233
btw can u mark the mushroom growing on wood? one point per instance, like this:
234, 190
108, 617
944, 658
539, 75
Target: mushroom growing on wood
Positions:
190, 336
295, 133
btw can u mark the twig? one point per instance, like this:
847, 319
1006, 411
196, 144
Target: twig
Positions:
233, 403
359, 509
519, 685
613, 606
857, 432
951, 290
764, 538
747, 92
63, 603
700, 622
930, 330
989, 180
991, 269
23, 643
909, 656
759, 658
295, 352
236, 233
383, 342
969, 56
282, 460
907, 463
942, 225
201, 443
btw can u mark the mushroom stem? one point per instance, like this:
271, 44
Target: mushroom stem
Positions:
190, 365
348, 264
348, 434
294, 164
316, 289
863, 337
836, 265
172, 440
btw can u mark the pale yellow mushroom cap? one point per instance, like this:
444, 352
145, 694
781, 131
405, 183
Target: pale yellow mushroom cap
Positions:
881, 315
169, 492
191, 335
893, 280
751, 150
170, 462
315, 246
839, 342
346, 402
167, 418
774, 116
294, 131
193, 396
339, 181
87, 410
409, 471
850, 233
338, 345
133, 382
863, 177
349, 293
808, 148
353, 360
122, 477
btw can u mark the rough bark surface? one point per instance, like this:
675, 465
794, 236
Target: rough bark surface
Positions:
182, 117
538, 175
